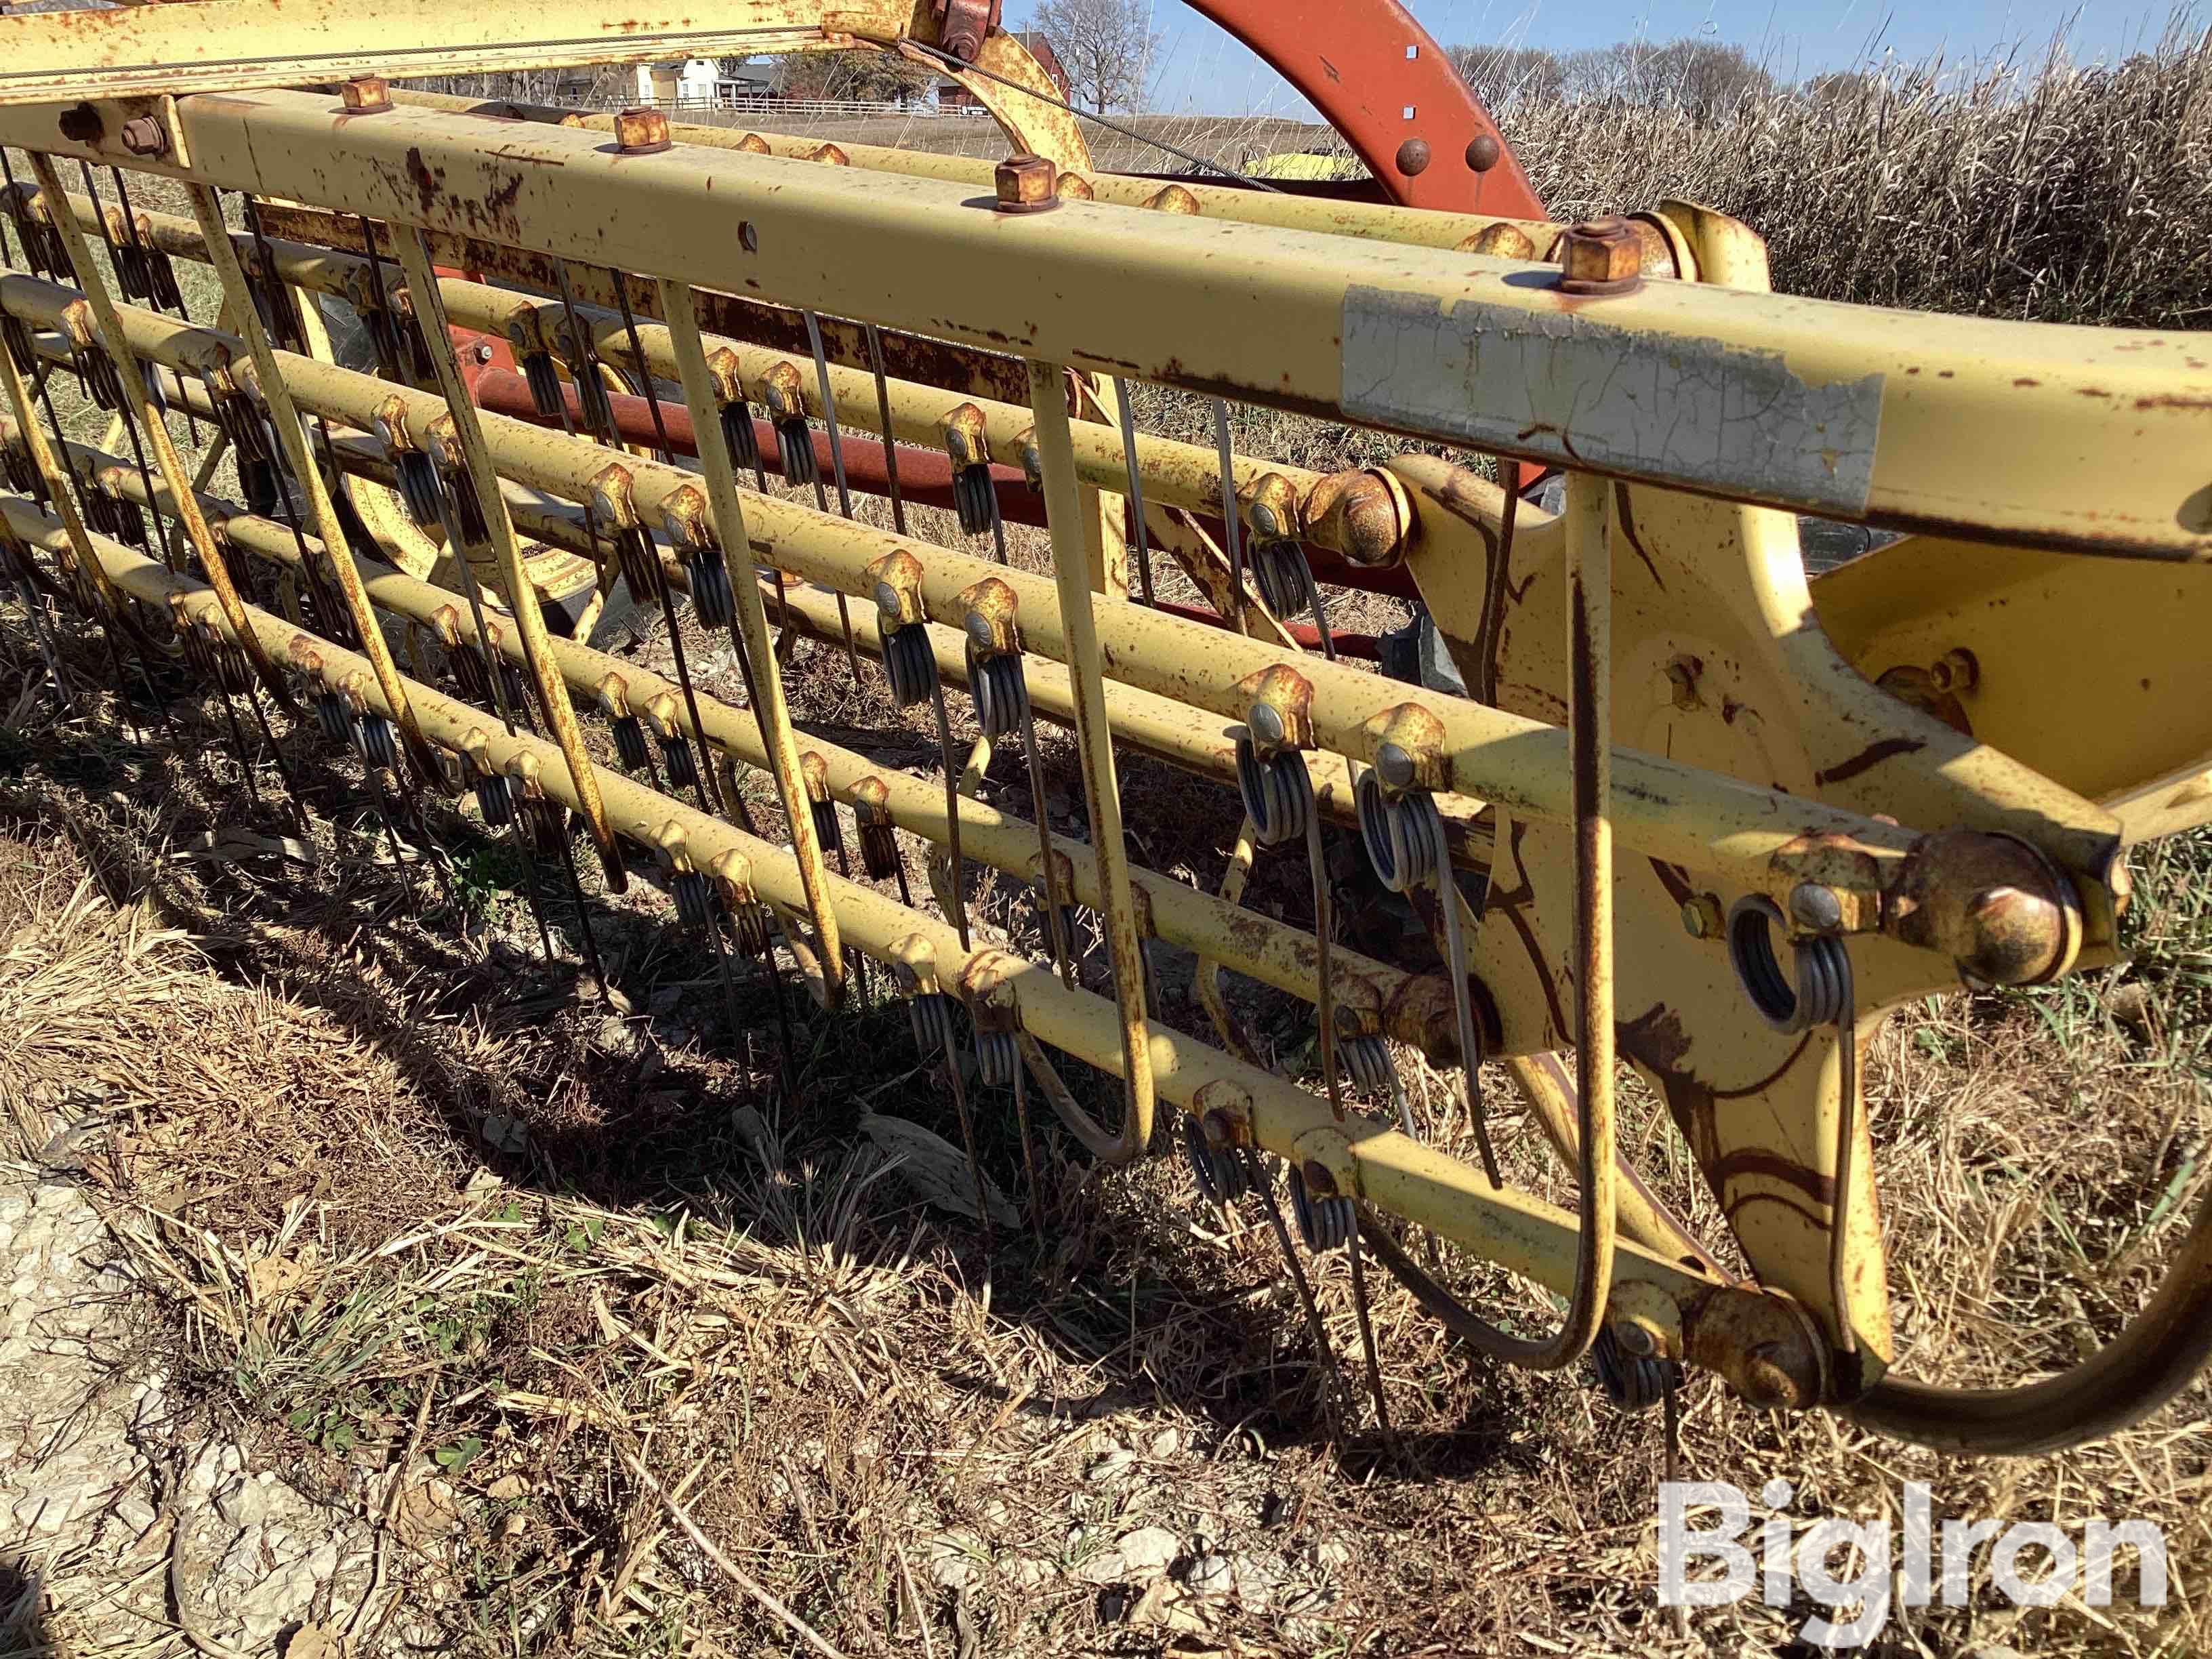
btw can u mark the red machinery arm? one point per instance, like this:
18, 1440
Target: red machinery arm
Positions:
1375, 75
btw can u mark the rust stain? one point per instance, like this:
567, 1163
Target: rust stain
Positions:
419, 175
1759, 1161
1627, 516
1675, 880
1872, 756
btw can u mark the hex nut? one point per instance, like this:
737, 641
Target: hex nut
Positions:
1701, 916
640, 132
144, 135
1027, 184
366, 94
1600, 256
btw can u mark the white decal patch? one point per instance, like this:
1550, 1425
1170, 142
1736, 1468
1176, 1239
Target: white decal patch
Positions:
1711, 414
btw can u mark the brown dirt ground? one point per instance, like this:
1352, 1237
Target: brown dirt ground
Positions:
625, 1301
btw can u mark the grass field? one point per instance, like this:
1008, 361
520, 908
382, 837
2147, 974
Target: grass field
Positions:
620, 1354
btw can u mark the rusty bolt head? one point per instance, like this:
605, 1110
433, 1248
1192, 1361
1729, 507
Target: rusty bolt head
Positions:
1682, 683
753, 144
1634, 1339
1484, 152
1701, 916
1816, 907
1174, 198
366, 94
830, 156
640, 132
1319, 1180
1397, 767
144, 135
1412, 156
1956, 670
1766, 1383
1602, 257
1074, 187
1028, 184
1267, 724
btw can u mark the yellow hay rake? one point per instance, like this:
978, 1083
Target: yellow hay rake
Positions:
1718, 819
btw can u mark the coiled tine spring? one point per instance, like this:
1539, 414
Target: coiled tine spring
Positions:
1404, 835
1279, 799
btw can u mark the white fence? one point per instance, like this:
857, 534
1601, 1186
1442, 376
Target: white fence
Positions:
817, 109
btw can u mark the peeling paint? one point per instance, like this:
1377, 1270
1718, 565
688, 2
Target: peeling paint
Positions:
1699, 411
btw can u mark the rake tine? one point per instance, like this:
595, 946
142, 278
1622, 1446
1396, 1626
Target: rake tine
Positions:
884, 413
585, 937
1136, 487
585, 361
1264, 1185
276, 756
967, 1138
237, 741
1367, 1340
1232, 530
124, 411
959, 917
1029, 1153
837, 464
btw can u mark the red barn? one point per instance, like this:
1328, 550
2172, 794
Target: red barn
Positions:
957, 99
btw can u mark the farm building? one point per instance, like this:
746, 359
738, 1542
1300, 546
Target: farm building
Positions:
958, 99
700, 82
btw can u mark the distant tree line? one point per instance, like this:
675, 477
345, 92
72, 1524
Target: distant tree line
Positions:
1701, 78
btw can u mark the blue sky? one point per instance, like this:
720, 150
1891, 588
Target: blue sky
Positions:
1201, 69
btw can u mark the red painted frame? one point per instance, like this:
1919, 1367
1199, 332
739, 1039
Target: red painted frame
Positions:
1363, 63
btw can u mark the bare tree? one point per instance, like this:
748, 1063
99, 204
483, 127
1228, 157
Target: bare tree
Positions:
1103, 44
863, 77
1502, 76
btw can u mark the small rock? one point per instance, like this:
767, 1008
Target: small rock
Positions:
428, 1512
1148, 1549
507, 1488
1112, 1466
1332, 1554
514, 1526
952, 1558
135, 1512
1166, 1443
1257, 1582
1106, 1567
45, 1512
1210, 1575
503, 1133
1028, 1572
